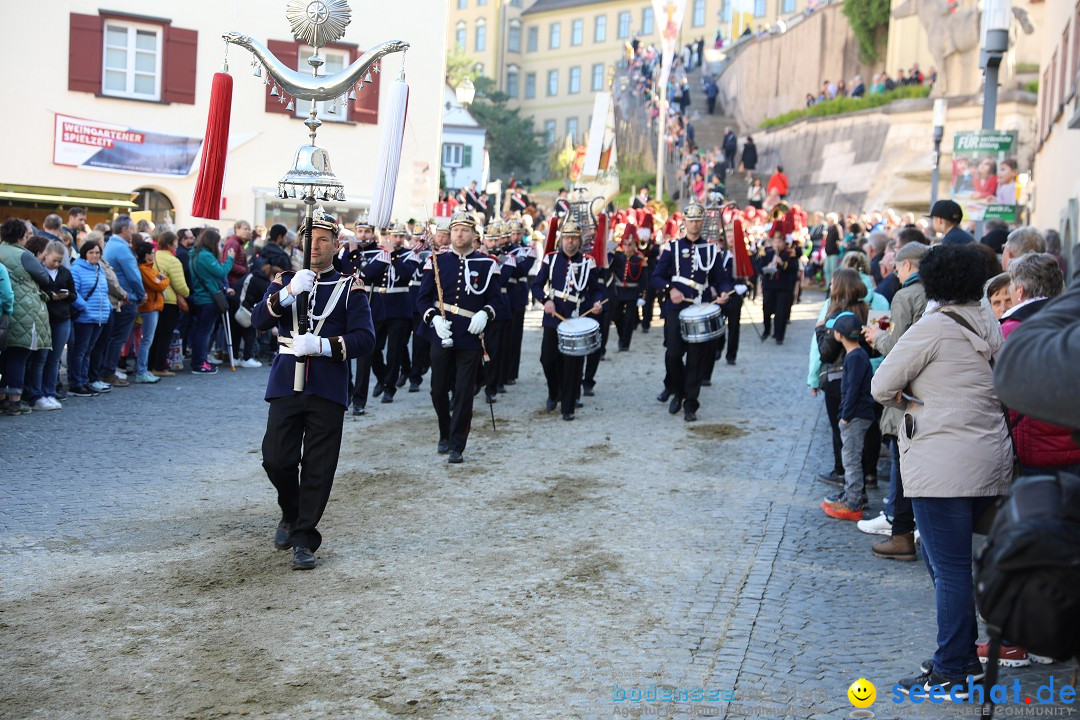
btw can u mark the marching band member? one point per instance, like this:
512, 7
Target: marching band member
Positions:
303, 429
562, 205
779, 274
397, 266
646, 231
419, 360
688, 271
628, 270
732, 309
459, 292
354, 260
496, 334
566, 282
524, 257
604, 279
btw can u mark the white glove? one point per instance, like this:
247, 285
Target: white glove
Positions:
303, 281
442, 327
741, 289
307, 344
478, 323
641, 302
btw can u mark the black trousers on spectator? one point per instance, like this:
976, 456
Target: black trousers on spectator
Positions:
872, 442
392, 334
496, 334
683, 380
732, 310
300, 455
903, 514
159, 349
453, 370
776, 306
625, 318
517, 334
712, 104
592, 361
562, 372
421, 354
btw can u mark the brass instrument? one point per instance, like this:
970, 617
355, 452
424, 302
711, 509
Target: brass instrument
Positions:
780, 211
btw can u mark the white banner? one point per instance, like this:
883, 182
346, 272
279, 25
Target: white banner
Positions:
667, 18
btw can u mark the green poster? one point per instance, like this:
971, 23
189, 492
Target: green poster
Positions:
984, 170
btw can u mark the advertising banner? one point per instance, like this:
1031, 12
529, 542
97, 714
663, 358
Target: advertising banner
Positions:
97, 145
984, 170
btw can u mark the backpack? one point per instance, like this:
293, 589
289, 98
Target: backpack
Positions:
1027, 576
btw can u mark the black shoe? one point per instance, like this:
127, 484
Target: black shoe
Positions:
378, 390
444, 446
550, 405
623, 349
303, 559
689, 415
952, 689
730, 361
578, 403
568, 416
976, 669
675, 405
587, 391
512, 381
706, 383
765, 336
61, 395
357, 409
664, 395
414, 387
871, 480
281, 535
402, 380
501, 389
779, 341
645, 329
832, 478
490, 398
387, 398
455, 457
83, 391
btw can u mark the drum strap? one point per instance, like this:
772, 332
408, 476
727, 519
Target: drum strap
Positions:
569, 297
700, 287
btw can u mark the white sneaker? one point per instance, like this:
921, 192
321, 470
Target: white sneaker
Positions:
101, 387
56, 404
214, 360
43, 403
120, 374
252, 363
880, 525
1041, 659
146, 378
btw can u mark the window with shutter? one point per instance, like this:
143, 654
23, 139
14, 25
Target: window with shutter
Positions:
287, 51
466, 156
365, 109
132, 56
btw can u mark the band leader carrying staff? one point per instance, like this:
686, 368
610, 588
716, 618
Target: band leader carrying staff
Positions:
303, 429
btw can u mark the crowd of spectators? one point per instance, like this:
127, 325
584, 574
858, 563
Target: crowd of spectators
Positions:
882, 82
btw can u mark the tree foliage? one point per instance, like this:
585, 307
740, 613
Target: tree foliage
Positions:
868, 18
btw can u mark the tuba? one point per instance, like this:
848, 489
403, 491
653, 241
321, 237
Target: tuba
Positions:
780, 211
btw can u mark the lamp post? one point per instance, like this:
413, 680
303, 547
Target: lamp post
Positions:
941, 106
465, 92
994, 37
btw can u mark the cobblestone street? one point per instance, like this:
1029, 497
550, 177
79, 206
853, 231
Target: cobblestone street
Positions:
562, 569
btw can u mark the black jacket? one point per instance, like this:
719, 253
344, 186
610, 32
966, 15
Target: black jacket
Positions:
60, 310
749, 156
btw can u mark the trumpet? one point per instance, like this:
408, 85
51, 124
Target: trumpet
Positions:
779, 211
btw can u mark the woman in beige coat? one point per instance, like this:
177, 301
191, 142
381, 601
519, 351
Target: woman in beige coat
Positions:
955, 452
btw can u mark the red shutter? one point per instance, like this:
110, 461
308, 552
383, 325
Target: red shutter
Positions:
365, 109
288, 52
178, 66
84, 53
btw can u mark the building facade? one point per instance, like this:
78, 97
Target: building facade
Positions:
551, 56
117, 105
463, 144
1056, 196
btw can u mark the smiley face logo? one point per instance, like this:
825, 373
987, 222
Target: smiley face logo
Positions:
862, 693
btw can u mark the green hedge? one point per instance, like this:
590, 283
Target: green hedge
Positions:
843, 105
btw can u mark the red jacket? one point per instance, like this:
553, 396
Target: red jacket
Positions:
778, 181
1039, 444
233, 247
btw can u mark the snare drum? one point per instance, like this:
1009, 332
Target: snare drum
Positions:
701, 323
579, 336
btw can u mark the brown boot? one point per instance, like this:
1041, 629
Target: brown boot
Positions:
897, 547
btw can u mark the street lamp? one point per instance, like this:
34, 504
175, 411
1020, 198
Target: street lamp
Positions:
941, 106
994, 37
465, 93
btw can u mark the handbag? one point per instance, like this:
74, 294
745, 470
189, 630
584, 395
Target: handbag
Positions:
242, 314
986, 520
218, 297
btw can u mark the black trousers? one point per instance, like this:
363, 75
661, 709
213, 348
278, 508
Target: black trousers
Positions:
625, 318
650, 298
732, 310
872, 441
709, 362
300, 455
683, 380
361, 380
159, 349
496, 333
421, 355
562, 372
592, 361
776, 305
391, 334
517, 334
453, 370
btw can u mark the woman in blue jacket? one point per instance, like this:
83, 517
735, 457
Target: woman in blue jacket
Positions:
208, 276
92, 303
